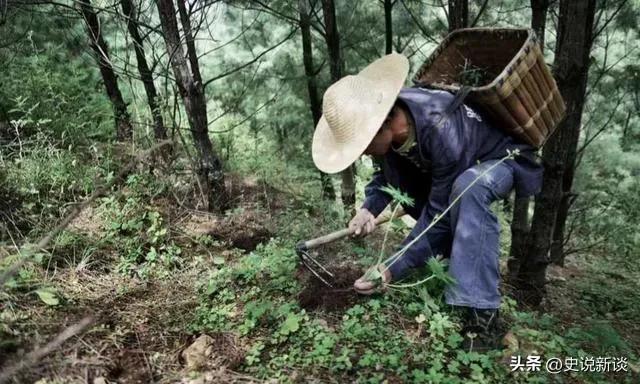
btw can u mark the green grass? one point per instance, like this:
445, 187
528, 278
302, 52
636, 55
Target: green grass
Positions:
406, 335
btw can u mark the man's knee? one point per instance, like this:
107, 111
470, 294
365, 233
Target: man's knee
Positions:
469, 183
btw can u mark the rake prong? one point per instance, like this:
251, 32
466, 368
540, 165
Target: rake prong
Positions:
319, 265
307, 260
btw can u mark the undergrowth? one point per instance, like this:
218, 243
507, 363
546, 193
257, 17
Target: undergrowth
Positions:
404, 335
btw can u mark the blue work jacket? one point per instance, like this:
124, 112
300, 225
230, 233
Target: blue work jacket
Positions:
441, 155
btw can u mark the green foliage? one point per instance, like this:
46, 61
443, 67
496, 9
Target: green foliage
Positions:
398, 196
139, 233
46, 174
253, 296
607, 210
602, 337
55, 121
43, 84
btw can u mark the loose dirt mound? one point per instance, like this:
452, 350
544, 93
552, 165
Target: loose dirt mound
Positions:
245, 237
87, 222
317, 296
243, 231
214, 351
130, 363
251, 191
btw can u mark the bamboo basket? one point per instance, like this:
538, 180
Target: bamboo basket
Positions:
522, 99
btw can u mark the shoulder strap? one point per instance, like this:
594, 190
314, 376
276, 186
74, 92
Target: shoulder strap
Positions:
457, 101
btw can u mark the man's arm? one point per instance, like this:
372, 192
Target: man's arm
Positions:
375, 199
433, 242
444, 148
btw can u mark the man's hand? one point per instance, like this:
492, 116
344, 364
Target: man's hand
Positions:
372, 282
362, 223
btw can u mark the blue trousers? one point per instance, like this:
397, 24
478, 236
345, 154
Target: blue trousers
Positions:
472, 238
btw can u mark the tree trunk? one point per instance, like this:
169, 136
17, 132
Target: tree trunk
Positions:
192, 55
124, 130
558, 241
539, 10
520, 220
333, 39
575, 23
131, 13
388, 26
328, 192
519, 232
458, 15
335, 61
210, 170
349, 189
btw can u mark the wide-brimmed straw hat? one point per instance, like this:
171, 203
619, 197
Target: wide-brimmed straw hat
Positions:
353, 109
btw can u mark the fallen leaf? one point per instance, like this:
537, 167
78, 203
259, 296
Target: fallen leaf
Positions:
48, 296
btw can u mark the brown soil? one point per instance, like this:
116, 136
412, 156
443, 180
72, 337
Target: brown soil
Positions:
137, 335
130, 364
141, 326
246, 238
88, 222
228, 350
248, 222
243, 231
225, 351
250, 191
245, 227
317, 296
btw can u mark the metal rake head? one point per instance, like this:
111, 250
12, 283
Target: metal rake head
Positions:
316, 269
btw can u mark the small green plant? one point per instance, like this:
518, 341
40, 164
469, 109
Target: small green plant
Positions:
140, 233
398, 200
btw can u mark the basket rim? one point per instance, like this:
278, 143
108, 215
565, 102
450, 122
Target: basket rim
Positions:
530, 40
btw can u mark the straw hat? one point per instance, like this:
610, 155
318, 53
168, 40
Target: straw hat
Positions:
354, 108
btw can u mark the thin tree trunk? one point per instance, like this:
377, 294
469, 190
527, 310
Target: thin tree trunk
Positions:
520, 220
519, 232
210, 171
625, 131
333, 39
575, 23
458, 15
192, 55
131, 13
568, 198
328, 192
335, 60
349, 189
124, 130
388, 26
539, 10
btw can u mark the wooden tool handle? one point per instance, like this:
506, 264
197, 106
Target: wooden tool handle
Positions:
333, 236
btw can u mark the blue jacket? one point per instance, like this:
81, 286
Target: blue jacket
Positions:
441, 155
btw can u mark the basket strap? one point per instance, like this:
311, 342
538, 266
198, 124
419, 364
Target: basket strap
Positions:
457, 101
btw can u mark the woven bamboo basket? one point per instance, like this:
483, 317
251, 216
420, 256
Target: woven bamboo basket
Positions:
514, 86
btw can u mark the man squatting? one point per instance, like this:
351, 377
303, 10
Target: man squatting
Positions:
433, 162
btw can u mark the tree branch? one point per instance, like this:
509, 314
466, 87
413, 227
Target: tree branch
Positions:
271, 100
35, 356
609, 20
480, 12
234, 70
604, 126
417, 22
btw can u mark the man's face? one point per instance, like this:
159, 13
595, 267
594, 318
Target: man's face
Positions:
382, 140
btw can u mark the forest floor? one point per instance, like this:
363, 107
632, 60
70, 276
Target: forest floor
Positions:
181, 295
